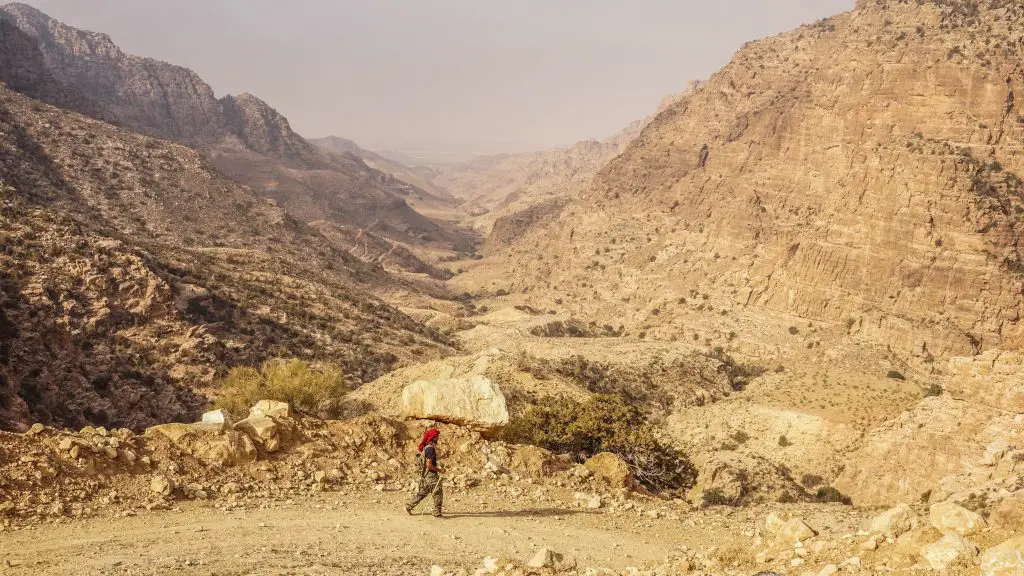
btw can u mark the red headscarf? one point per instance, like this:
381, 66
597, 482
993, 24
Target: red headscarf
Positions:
429, 436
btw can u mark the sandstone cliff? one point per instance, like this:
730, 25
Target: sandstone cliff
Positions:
22, 69
861, 170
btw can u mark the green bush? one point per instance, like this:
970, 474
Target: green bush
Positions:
604, 423
313, 391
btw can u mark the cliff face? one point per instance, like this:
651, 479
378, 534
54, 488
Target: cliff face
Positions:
22, 69
246, 138
862, 170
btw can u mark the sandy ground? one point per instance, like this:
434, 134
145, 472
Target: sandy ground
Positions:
342, 534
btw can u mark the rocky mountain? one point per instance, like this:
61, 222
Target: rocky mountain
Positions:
246, 138
506, 183
133, 274
418, 176
861, 172
22, 69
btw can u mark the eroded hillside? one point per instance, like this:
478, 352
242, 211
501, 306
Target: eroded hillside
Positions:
861, 171
134, 274
245, 137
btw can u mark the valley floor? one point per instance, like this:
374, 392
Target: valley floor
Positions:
366, 533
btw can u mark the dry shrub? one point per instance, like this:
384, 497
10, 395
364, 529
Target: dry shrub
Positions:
318, 392
604, 423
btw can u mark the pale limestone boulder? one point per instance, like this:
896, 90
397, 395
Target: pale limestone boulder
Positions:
894, 522
262, 429
951, 548
1006, 559
217, 417
475, 402
787, 531
950, 518
272, 408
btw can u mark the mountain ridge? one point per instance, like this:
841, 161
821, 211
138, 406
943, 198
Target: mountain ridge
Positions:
247, 139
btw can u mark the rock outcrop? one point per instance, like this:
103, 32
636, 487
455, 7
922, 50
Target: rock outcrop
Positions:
476, 402
824, 178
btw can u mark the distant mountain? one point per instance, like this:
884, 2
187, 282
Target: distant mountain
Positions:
246, 138
420, 177
496, 186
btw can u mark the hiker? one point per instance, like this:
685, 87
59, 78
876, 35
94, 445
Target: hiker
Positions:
430, 474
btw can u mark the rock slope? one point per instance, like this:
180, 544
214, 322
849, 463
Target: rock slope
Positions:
132, 274
246, 138
861, 170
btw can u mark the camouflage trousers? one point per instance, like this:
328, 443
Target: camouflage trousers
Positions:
430, 484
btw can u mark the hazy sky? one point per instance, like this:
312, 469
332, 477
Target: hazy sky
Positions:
391, 73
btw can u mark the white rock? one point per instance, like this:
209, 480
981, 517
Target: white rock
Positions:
490, 565
476, 402
948, 517
271, 408
947, 550
789, 531
894, 522
436, 570
217, 417
829, 570
1006, 559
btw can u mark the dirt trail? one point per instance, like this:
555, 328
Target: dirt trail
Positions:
338, 534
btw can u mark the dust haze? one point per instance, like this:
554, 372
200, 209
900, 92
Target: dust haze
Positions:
450, 76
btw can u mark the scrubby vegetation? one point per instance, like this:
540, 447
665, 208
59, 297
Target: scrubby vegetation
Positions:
316, 391
604, 423
573, 328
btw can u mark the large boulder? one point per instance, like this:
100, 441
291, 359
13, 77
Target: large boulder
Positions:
272, 408
476, 402
262, 429
950, 549
612, 469
894, 522
950, 518
787, 531
1006, 559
